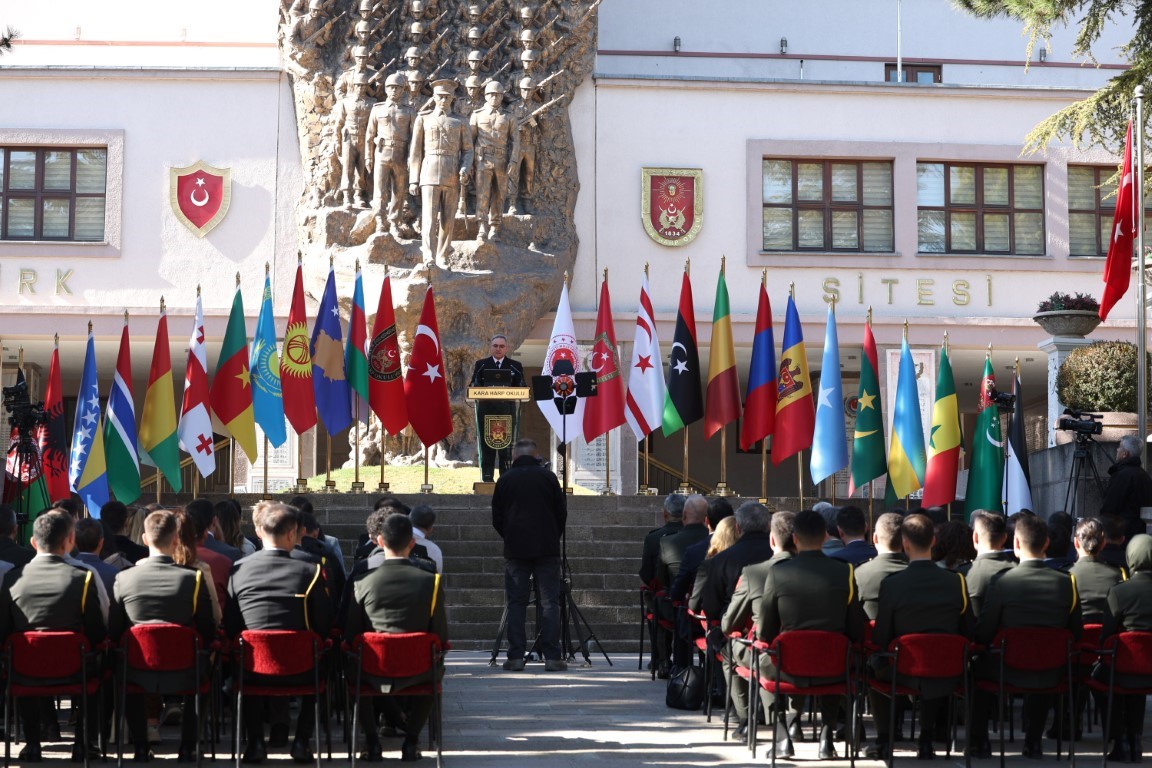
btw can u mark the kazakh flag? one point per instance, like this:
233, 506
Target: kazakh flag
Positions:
986, 473
906, 458
264, 366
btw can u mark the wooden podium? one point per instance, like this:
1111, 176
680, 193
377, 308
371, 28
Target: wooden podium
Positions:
481, 396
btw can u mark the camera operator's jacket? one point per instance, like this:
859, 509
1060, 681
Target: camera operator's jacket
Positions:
1129, 489
529, 510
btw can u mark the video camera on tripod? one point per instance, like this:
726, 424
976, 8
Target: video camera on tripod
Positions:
1083, 424
22, 414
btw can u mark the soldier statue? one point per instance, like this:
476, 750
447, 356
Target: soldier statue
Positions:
522, 165
440, 160
386, 147
351, 122
491, 134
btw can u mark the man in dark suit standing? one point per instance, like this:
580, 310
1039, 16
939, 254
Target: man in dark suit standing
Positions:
397, 597
50, 594
272, 590
10, 549
158, 590
496, 419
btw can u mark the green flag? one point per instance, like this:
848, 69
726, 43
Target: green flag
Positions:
868, 458
986, 472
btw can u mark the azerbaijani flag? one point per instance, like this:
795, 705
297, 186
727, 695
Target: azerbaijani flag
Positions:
760, 399
722, 405
829, 448
906, 457
231, 394
355, 359
944, 439
120, 428
87, 474
159, 446
795, 417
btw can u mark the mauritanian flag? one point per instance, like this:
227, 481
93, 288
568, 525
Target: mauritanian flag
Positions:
795, 415
232, 388
760, 399
159, 446
722, 403
52, 438
986, 472
195, 427
943, 440
120, 428
869, 461
296, 363
906, 456
355, 359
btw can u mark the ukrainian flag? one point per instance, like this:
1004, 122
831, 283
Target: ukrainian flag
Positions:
906, 456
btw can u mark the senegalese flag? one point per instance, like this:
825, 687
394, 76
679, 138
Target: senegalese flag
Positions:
159, 445
986, 473
355, 357
231, 395
795, 413
944, 439
869, 461
120, 428
264, 367
296, 363
87, 472
24, 486
722, 405
906, 456
683, 401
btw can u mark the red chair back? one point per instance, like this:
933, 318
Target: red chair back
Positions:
279, 651
1089, 641
160, 647
1034, 649
396, 655
930, 655
811, 653
47, 655
1133, 653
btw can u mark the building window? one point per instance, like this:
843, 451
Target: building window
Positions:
976, 208
53, 193
915, 73
1091, 209
827, 205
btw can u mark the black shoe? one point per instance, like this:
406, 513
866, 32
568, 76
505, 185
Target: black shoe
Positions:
142, 755
1119, 752
740, 732
255, 753
877, 750
925, 750
278, 737
79, 750
373, 754
663, 672
1135, 749
796, 731
410, 753
980, 750
786, 749
186, 754
827, 747
301, 753
30, 754
1033, 751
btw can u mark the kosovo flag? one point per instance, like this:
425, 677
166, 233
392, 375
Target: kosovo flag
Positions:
333, 395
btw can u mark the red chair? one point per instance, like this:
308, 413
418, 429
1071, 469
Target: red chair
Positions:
1089, 644
709, 658
1129, 653
164, 659
51, 664
805, 654
1036, 650
925, 657
384, 657
262, 656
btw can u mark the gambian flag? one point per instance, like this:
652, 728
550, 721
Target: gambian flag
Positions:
355, 359
231, 394
296, 363
120, 428
906, 455
722, 405
52, 437
795, 413
760, 400
943, 440
159, 446
684, 402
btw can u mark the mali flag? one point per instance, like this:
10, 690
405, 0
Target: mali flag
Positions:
906, 457
683, 402
795, 414
296, 363
231, 394
868, 458
159, 446
723, 403
944, 439
355, 358
986, 472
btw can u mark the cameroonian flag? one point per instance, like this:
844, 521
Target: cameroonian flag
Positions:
120, 428
683, 401
722, 405
795, 413
231, 394
944, 439
296, 363
159, 445
906, 456
355, 359
986, 472
869, 461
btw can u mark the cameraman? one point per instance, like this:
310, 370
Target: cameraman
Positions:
1129, 489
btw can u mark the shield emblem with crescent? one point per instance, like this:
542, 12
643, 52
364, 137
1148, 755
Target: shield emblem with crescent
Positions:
672, 204
200, 195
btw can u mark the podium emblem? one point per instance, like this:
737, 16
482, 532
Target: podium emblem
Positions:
498, 431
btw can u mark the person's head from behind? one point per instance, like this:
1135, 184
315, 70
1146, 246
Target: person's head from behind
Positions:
302, 503
228, 515
1059, 541
7, 521
1030, 538
851, 523
53, 533
69, 506
114, 514
752, 517
89, 535
423, 517
918, 534
308, 525
809, 530
1089, 537
396, 532
673, 507
725, 535
781, 530
887, 537
161, 531
953, 544
525, 446
392, 502
989, 531
276, 524
1114, 532
718, 509
1129, 447
695, 510
203, 512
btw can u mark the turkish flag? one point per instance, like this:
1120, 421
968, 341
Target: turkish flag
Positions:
385, 378
605, 411
1118, 266
425, 387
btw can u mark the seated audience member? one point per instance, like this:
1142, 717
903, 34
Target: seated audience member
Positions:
989, 534
853, 531
114, 515
681, 589
717, 583
228, 517
723, 537
310, 548
1112, 553
1130, 610
889, 559
832, 541
953, 549
1059, 546
423, 519
673, 513
367, 544
204, 512
89, 542
672, 548
10, 549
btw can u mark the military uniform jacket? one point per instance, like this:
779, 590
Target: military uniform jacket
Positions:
158, 590
986, 568
1094, 580
441, 148
717, 584
491, 137
48, 594
389, 128
271, 590
871, 575
672, 552
746, 597
809, 591
650, 556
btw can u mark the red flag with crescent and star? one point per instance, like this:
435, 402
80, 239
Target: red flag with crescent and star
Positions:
1126, 222
425, 387
200, 195
604, 412
296, 363
385, 377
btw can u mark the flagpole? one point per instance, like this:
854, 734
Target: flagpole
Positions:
329, 483
763, 470
607, 464
427, 487
871, 504
1141, 290
301, 481
800, 475
383, 486
265, 466
357, 486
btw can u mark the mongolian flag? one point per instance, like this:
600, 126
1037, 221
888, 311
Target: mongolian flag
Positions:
829, 448
645, 401
24, 486
1017, 478
87, 475
760, 400
333, 395
425, 388
868, 458
158, 441
723, 403
1125, 224
943, 440
565, 411
986, 472
195, 427
52, 438
120, 428
231, 393
795, 417
296, 364
355, 360
385, 377
906, 456
264, 368
684, 403
604, 412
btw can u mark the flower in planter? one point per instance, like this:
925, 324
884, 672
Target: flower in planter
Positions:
1062, 302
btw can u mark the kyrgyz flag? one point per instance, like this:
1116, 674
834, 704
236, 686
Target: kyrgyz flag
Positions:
52, 438
829, 448
425, 387
986, 473
723, 403
158, 442
232, 388
385, 377
604, 412
795, 417
296, 364
333, 396
264, 368
195, 427
645, 400
868, 458
760, 399
944, 439
1017, 478
906, 456
120, 428
684, 403
87, 473
1125, 224
24, 486
355, 360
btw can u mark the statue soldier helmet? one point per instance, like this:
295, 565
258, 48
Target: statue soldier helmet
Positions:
495, 86
473, 81
475, 56
397, 79
474, 13
417, 29
527, 14
362, 29
416, 77
417, 8
444, 87
316, 6
412, 53
527, 84
366, 6
529, 55
474, 35
360, 52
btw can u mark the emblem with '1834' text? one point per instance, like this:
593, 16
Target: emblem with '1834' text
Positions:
672, 204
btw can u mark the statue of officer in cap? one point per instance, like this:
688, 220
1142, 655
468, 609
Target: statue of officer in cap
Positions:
440, 160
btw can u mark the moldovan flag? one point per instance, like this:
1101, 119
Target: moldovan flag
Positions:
355, 361
723, 403
562, 363
385, 377
232, 388
52, 438
120, 428
296, 363
158, 442
829, 448
87, 474
906, 457
1017, 478
795, 417
760, 399
333, 396
24, 486
986, 472
425, 387
604, 412
943, 440
195, 427
264, 368
684, 403
1118, 265
645, 400
868, 448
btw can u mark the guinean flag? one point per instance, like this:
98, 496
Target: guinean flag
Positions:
1125, 224
296, 363
159, 446
795, 413
760, 400
684, 401
869, 461
52, 437
385, 377
943, 440
120, 428
355, 361
604, 412
24, 486
986, 472
231, 394
723, 403
425, 388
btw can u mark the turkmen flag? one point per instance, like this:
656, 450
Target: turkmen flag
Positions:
264, 367
120, 428
355, 359
906, 456
231, 394
944, 440
159, 445
868, 457
683, 402
986, 473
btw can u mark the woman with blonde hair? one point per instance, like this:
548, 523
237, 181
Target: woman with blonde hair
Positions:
724, 536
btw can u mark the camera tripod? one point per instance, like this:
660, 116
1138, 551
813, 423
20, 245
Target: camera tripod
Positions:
1081, 458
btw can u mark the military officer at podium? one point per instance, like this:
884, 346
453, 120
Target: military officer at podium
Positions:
496, 419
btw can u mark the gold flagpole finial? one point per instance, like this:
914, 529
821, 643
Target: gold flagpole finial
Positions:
331, 261
56, 339
946, 348
1017, 366
605, 274
833, 305
161, 305
764, 278
125, 317
869, 315
20, 359
299, 258
197, 290
357, 264
723, 260
688, 266
989, 355
237, 279
267, 269
89, 327
905, 330
645, 269
792, 290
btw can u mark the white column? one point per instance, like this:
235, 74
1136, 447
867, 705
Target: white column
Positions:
1058, 348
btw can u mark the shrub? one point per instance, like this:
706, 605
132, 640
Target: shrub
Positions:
1059, 302
1099, 377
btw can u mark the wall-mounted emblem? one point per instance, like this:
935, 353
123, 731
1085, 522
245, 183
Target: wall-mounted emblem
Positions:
672, 204
200, 195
